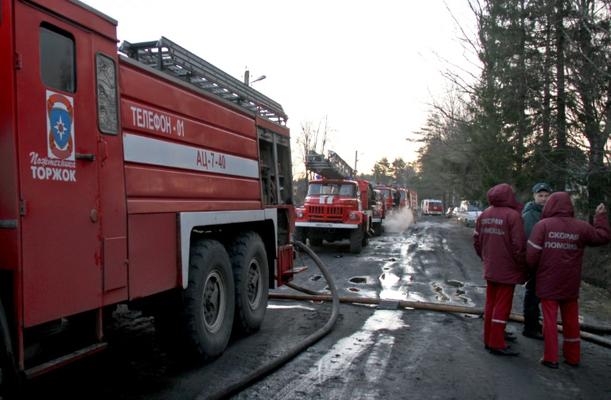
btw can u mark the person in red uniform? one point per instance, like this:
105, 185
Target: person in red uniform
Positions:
500, 242
555, 251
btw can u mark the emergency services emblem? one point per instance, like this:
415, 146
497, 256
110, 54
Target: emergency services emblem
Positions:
60, 126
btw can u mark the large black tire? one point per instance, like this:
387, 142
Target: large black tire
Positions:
251, 277
365, 236
209, 299
356, 241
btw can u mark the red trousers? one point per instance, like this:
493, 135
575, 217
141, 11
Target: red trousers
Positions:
569, 310
499, 297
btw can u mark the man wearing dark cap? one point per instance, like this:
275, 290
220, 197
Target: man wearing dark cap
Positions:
531, 215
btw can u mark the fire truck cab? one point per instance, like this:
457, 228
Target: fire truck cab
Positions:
150, 178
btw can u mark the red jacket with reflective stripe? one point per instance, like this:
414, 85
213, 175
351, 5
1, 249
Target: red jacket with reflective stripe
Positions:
499, 237
555, 247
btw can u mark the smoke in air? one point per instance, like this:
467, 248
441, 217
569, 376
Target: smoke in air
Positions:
398, 221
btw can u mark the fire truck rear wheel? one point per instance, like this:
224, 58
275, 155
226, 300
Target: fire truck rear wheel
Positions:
209, 299
251, 277
356, 241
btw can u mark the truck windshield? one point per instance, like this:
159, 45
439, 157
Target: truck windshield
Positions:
342, 190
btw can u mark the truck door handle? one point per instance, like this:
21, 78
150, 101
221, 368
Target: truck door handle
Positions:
85, 156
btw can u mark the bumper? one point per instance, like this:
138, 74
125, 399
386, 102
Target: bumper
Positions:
299, 224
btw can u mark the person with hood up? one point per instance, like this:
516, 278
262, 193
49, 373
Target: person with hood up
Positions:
531, 215
500, 242
555, 251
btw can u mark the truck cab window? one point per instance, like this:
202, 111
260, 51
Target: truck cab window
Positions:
106, 77
57, 62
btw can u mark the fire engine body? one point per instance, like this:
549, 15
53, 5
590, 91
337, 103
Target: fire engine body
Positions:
154, 179
389, 195
336, 206
396, 198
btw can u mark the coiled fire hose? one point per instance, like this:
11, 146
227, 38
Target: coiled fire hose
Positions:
266, 369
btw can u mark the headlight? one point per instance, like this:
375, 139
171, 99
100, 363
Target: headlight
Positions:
353, 215
299, 212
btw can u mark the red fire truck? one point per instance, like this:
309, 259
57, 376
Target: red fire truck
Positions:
150, 178
337, 206
390, 196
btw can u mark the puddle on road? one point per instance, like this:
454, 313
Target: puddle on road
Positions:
455, 283
441, 295
464, 299
315, 277
358, 279
353, 289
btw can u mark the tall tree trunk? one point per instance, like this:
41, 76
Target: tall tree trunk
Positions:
522, 88
547, 64
588, 89
561, 147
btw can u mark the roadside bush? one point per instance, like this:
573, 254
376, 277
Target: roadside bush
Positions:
597, 267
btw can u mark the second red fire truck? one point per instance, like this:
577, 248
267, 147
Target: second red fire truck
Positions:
337, 206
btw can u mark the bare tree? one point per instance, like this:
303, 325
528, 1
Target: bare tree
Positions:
313, 136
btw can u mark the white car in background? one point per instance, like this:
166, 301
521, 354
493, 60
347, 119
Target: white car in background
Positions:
468, 214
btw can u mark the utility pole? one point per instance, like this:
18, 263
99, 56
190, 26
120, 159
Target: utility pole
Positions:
356, 158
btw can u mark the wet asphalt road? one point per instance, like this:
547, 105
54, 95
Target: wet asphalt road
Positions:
373, 352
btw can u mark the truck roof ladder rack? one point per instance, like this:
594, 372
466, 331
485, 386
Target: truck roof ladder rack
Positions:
331, 167
165, 55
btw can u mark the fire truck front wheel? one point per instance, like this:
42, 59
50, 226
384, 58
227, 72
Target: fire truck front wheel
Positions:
209, 299
251, 277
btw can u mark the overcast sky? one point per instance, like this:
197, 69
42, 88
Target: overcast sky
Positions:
372, 67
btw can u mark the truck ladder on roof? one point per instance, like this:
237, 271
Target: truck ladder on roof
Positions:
331, 167
167, 56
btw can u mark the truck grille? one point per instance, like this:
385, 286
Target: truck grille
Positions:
325, 213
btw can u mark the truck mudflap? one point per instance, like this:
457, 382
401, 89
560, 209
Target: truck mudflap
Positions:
299, 224
285, 264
